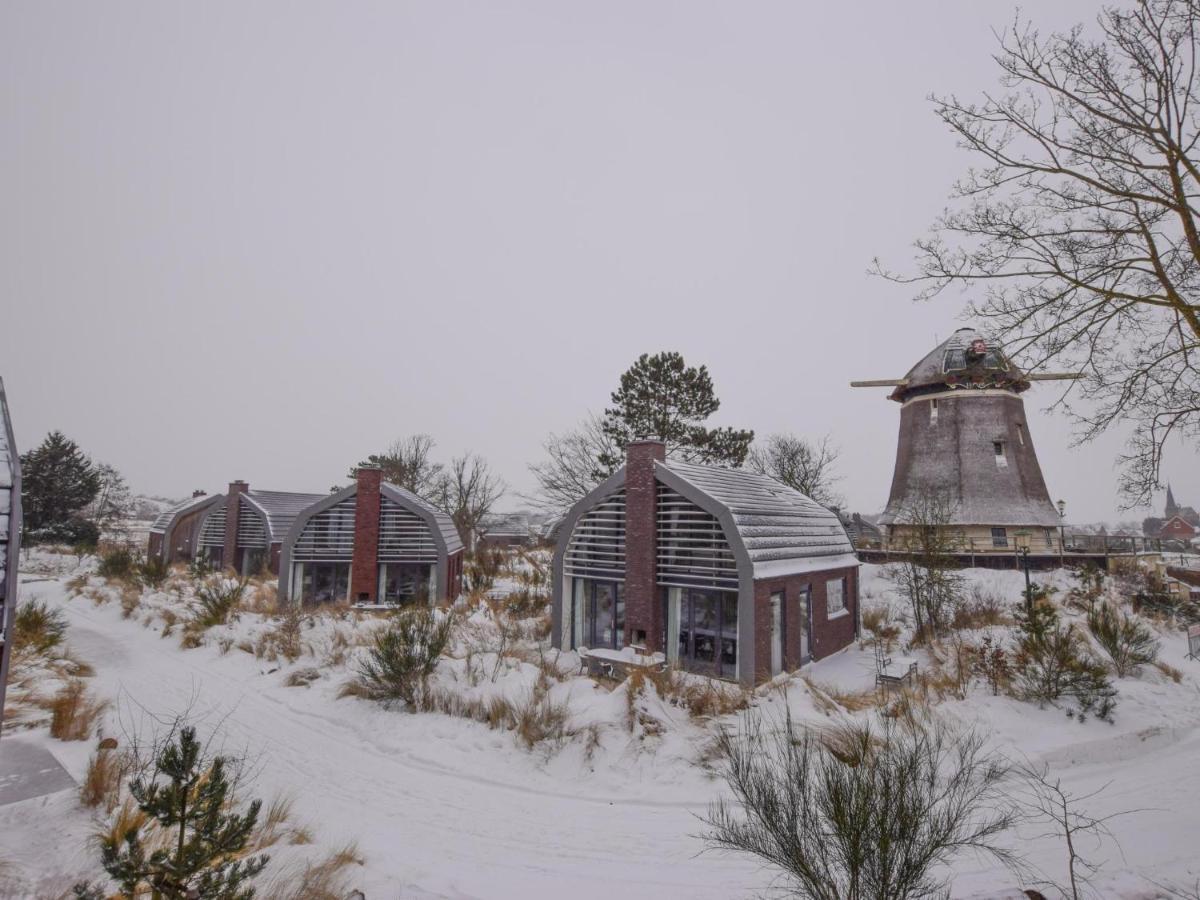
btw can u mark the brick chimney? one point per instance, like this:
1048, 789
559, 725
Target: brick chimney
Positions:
364, 571
233, 506
643, 610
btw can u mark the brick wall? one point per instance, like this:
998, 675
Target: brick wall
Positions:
826, 635
364, 570
233, 507
643, 611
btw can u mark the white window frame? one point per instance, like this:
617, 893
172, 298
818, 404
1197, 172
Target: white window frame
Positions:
830, 610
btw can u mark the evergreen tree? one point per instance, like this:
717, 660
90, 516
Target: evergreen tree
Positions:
189, 797
57, 482
662, 397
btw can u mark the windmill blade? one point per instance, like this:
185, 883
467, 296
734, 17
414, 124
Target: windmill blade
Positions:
882, 382
1055, 376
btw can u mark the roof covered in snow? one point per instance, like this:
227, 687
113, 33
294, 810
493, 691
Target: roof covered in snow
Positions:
782, 531
966, 359
171, 513
280, 509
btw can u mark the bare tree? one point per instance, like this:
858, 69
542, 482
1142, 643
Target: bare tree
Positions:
926, 571
113, 506
1047, 802
805, 466
1080, 228
572, 466
408, 463
860, 814
467, 490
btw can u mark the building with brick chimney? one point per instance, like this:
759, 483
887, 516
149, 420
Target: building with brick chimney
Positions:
241, 530
725, 572
373, 544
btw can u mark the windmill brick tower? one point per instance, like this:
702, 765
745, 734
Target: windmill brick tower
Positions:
965, 459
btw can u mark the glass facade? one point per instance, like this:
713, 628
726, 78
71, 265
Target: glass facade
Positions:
401, 583
598, 613
324, 582
704, 626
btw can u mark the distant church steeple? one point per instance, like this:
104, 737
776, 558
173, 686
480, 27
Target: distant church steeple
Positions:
1172, 508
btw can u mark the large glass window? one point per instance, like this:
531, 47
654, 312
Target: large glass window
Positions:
599, 613
708, 633
325, 582
404, 583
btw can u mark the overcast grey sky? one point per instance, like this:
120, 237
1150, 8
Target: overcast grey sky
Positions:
263, 240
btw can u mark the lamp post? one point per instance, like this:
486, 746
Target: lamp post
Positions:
1023, 548
1062, 530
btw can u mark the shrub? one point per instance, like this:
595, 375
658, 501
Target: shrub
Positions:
37, 628
402, 656
1128, 643
199, 569
992, 664
117, 563
216, 601
1050, 663
73, 712
153, 572
857, 813
106, 771
981, 609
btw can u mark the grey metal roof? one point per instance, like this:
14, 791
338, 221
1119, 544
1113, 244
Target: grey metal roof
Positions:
280, 509
782, 531
444, 523
168, 515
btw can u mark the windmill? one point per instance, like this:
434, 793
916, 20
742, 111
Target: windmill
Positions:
964, 441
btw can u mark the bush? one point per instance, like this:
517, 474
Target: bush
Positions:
216, 601
402, 656
1128, 643
106, 772
73, 713
74, 532
859, 814
37, 628
117, 563
199, 569
153, 572
1050, 663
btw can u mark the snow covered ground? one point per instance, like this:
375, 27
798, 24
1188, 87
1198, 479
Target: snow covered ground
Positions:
446, 807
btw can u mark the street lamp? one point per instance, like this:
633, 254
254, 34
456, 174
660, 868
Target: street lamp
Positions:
1023, 548
1062, 529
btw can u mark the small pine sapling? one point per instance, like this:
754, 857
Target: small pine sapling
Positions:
1128, 643
189, 798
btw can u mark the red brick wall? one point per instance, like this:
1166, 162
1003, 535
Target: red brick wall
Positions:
364, 570
154, 548
643, 611
826, 636
233, 506
273, 559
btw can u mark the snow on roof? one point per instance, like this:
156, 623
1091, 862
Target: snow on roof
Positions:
783, 531
168, 515
445, 524
949, 363
280, 508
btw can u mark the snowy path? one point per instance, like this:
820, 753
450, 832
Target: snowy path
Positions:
466, 824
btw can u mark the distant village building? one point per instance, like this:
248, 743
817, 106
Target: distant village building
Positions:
965, 446
506, 531
1181, 523
10, 536
725, 572
242, 530
372, 544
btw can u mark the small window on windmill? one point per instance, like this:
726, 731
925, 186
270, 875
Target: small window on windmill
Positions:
1001, 460
933, 411
1021, 434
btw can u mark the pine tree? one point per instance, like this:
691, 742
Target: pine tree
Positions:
57, 482
662, 397
189, 798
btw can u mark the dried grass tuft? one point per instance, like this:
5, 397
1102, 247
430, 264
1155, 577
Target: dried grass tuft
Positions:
73, 712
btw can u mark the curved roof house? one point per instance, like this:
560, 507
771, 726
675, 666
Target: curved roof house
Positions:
244, 529
176, 532
723, 571
964, 441
10, 536
372, 542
